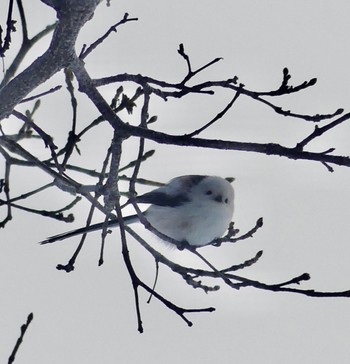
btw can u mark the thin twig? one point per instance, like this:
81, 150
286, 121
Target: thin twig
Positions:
52, 90
217, 117
85, 52
190, 73
24, 328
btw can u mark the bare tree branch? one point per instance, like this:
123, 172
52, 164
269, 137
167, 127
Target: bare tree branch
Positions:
105, 192
24, 328
60, 53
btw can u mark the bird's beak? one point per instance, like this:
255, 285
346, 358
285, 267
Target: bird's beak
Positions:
218, 198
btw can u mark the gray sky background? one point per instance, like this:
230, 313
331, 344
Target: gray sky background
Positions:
88, 316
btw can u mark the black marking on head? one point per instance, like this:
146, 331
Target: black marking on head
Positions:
196, 179
188, 182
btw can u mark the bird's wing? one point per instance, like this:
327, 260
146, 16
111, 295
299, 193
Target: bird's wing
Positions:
160, 198
175, 193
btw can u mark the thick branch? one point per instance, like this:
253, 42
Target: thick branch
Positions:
263, 148
73, 15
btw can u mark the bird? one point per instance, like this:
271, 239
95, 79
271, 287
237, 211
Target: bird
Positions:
192, 209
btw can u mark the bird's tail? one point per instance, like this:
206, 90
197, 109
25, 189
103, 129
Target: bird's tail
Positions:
87, 229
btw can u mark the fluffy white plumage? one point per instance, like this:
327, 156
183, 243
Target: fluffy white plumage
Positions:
192, 209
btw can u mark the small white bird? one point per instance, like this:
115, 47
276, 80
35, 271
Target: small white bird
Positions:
191, 209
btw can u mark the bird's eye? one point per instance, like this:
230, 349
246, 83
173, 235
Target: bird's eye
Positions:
226, 200
209, 192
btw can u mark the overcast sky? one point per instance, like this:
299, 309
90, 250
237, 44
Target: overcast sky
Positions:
88, 316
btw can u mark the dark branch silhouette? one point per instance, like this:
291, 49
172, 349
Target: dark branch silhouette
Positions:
107, 194
24, 328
